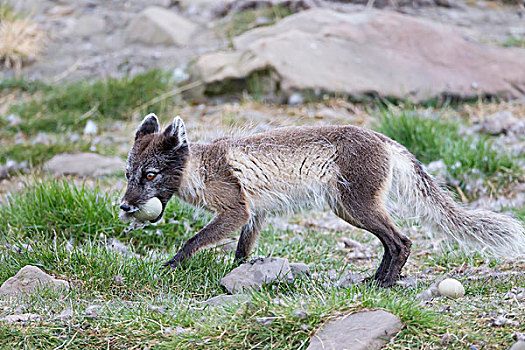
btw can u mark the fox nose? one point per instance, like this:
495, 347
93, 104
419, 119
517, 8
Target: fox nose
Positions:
125, 207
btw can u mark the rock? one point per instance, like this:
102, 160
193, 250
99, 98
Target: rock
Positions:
156, 25
10, 167
223, 300
428, 294
347, 279
365, 52
14, 120
257, 273
295, 99
265, 321
502, 320
92, 311
84, 164
499, 122
299, 269
89, 25
91, 128
21, 318
363, 330
28, 279
66, 314
520, 345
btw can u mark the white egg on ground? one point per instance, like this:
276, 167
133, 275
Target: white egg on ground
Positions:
149, 211
451, 288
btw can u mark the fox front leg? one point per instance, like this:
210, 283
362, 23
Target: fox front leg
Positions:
222, 226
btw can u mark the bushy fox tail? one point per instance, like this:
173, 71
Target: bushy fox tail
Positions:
413, 193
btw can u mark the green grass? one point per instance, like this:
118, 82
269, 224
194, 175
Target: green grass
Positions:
514, 41
50, 213
242, 21
61, 108
431, 139
46, 209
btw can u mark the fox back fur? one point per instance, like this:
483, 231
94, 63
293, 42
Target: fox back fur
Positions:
363, 176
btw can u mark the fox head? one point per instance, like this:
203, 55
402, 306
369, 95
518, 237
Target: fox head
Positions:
155, 164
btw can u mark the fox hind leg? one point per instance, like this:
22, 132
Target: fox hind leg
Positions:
371, 216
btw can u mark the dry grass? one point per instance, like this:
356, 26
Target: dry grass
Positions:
21, 41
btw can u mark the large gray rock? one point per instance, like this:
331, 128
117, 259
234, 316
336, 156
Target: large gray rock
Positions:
370, 51
257, 273
362, 330
157, 25
84, 164
28, 279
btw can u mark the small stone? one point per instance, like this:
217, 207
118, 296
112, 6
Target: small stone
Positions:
28, 279
41, 139
352, 244
21, 318
117, 279
66, 314
257, 273
180, 330
502, 320
14, 120
92, 311
295, 99
347, 279
299, 269
300, 314
428, 293
180, 75
157, 308
91, 128
499, 122
265, 321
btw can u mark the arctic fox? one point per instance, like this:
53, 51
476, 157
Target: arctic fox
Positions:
363, 176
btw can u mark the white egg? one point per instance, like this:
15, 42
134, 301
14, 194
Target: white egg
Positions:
451, 288
149, 211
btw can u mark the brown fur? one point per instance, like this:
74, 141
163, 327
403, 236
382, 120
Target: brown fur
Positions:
241, 180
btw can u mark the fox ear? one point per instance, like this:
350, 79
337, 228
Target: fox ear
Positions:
175, 134
149, 125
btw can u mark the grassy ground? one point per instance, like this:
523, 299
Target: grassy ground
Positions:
69, 231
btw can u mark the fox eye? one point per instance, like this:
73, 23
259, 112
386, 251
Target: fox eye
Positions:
150, 176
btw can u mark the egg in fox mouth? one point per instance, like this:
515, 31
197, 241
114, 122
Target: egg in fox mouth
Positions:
151, 211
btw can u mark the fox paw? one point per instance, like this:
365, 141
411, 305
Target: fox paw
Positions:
176, 261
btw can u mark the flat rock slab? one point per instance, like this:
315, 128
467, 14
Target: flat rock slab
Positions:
371, 51
84, 164
359, 331
257, 273
28, 279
